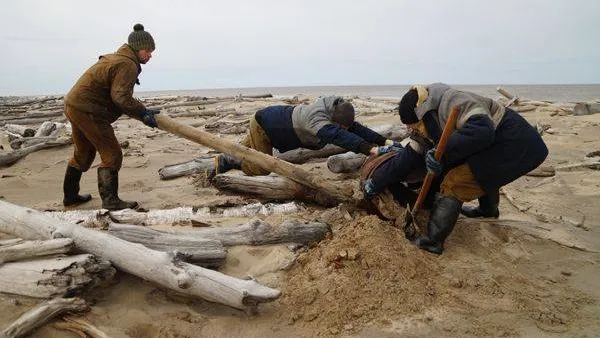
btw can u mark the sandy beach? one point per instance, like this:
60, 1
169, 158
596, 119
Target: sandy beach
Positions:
531, 273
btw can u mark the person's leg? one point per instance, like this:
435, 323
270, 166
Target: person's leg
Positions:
100, 134
83, 156
256, 139
488, 206
458, 186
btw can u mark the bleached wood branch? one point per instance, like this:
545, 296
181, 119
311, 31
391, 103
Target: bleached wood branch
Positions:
21, 130
272, 187
41, 314
200, 251
255, 232
81, 327
31, 249
15, 155
195, 166
51, 277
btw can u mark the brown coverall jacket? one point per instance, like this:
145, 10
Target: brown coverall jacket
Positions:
102, 94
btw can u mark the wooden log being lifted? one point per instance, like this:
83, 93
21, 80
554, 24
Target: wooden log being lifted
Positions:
271, 187
42, 314
283, 168
162, 268
255, 232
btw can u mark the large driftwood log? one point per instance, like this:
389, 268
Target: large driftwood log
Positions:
255, 232
15, 155
271, 187
186, 216
21, 130
81, 327
296, 173
200, 251
301, 155
345, 163
30, 249
195, 166
42, 314
52, 277
162, 268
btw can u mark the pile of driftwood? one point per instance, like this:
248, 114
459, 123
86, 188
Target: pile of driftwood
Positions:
522, 105
59, 254
17, 141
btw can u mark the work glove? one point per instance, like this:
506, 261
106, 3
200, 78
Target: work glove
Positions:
369, 189
148, 117
432, 165
396, 144
386, 149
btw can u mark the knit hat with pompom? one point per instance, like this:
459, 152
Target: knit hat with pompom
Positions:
140, 39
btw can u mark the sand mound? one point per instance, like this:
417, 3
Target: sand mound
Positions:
368, 274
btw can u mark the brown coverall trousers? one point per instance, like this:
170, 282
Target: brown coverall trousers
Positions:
256, 139
91, 134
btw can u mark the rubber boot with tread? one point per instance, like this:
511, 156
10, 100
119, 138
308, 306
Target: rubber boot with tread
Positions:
71, 188
108, 186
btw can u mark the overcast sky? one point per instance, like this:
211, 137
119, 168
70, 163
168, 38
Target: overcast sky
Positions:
46, 45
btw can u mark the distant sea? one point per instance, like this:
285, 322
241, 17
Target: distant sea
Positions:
557, 93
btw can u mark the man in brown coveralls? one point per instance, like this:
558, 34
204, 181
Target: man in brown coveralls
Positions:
100, 96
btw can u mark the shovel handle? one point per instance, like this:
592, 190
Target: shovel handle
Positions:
441, 147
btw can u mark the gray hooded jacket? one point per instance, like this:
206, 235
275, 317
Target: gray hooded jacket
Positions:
307, 120
442, 98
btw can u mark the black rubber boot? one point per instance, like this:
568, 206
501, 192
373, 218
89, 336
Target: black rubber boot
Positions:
441, 223
488, 206
108, 185
224, 163
71, 188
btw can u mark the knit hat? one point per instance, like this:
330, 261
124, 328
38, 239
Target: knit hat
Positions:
408, 103
343, 112
140, 39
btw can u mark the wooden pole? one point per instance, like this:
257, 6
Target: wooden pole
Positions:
262, 160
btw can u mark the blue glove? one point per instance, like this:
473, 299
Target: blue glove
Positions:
432, 165
393, 143
369, 189
386, 149
148, 117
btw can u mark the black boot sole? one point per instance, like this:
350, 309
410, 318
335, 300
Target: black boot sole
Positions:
82, 199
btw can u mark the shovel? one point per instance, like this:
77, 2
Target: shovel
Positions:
410, 216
